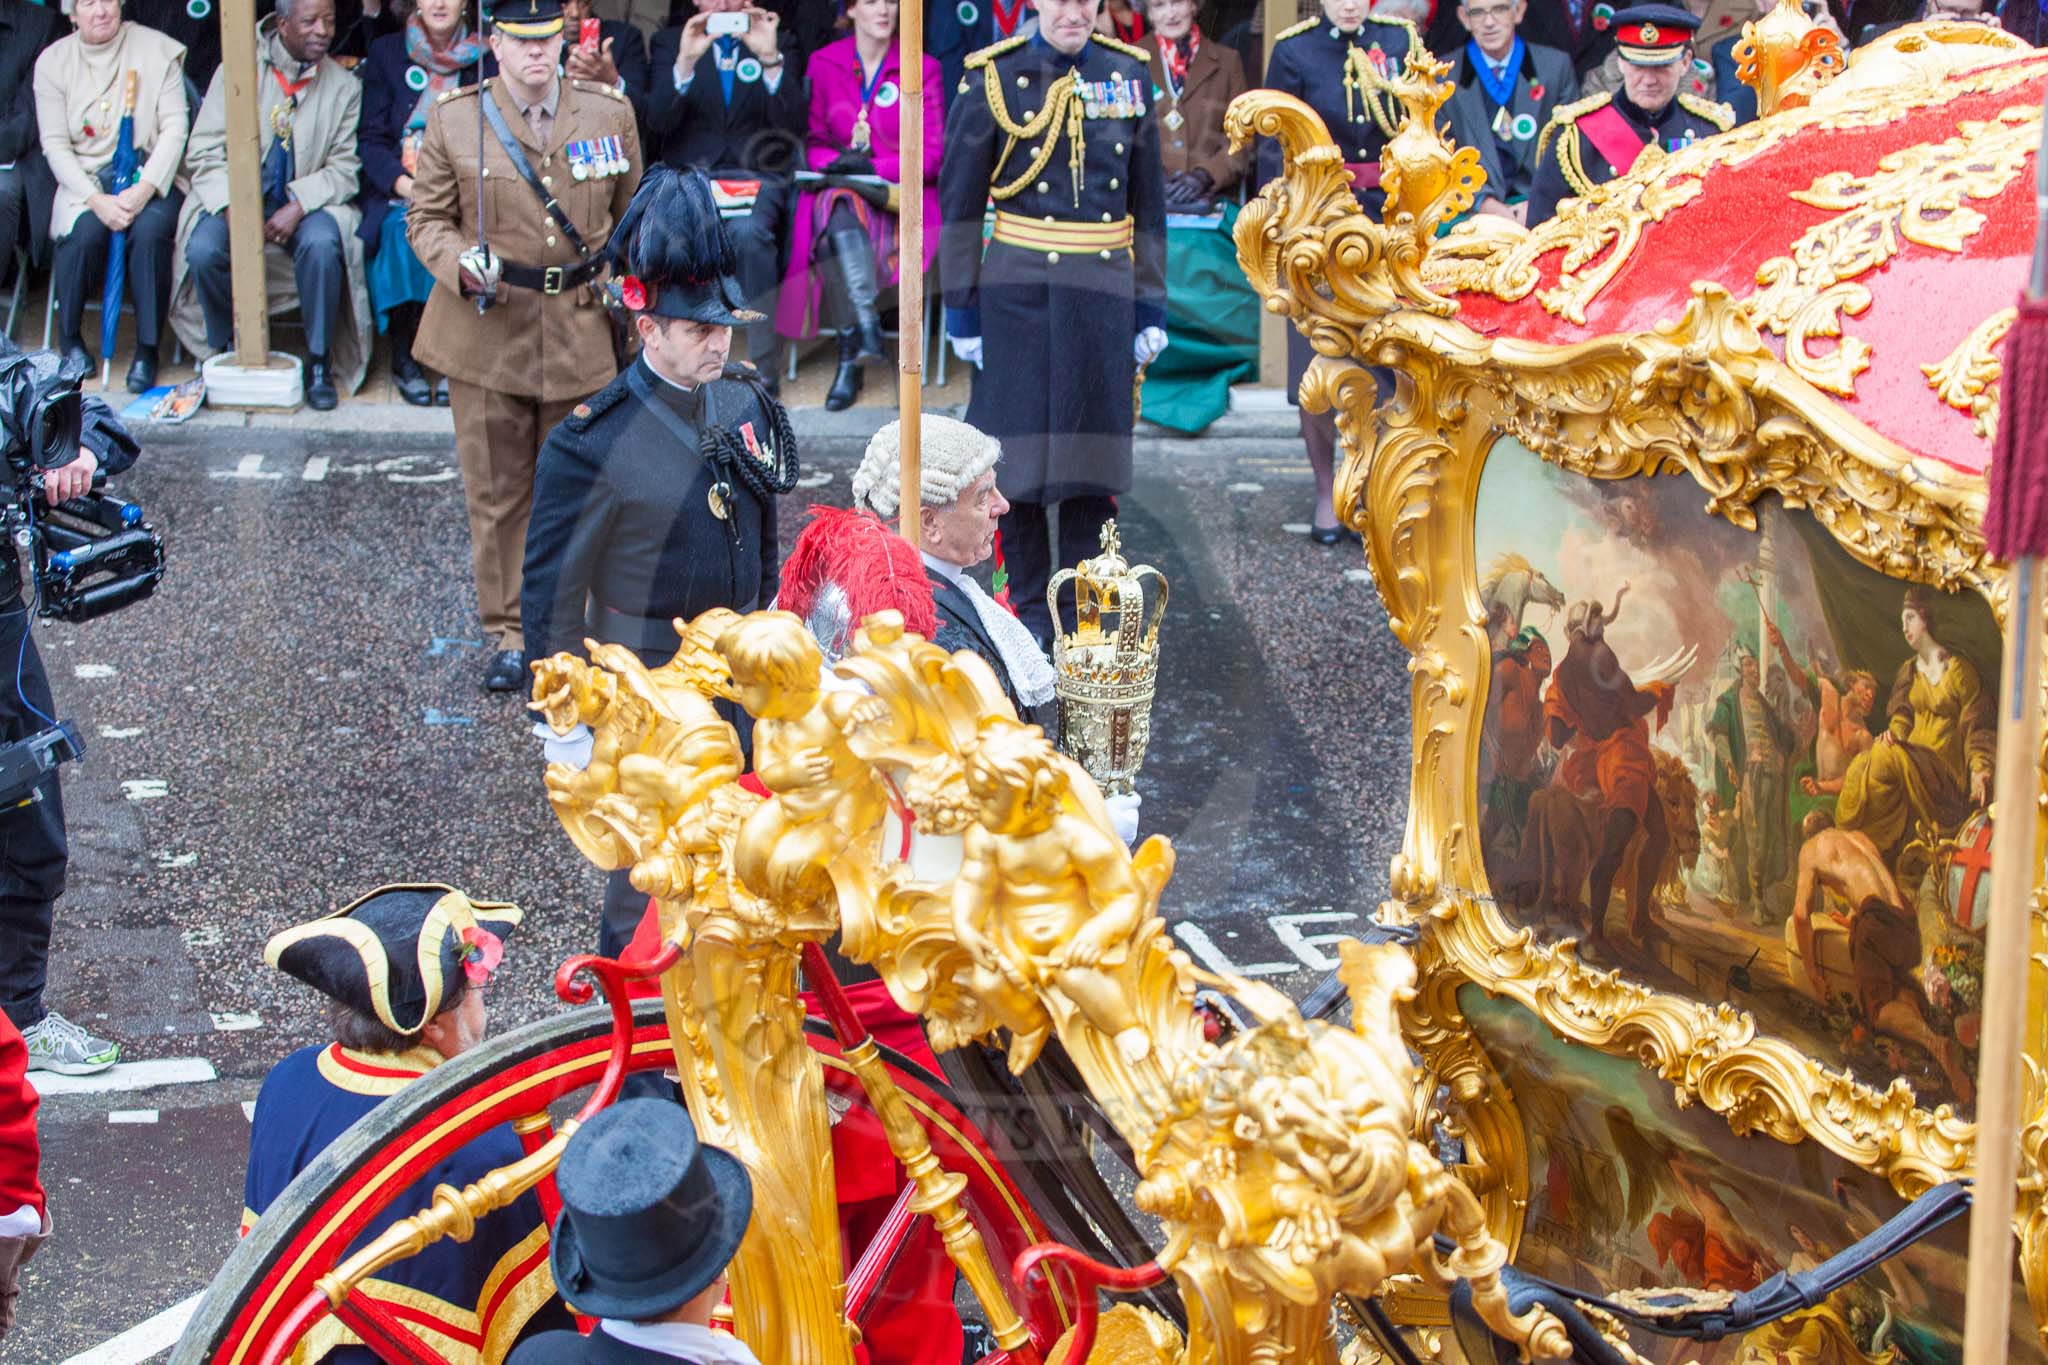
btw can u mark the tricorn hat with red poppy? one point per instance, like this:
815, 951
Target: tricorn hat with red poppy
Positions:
672, 256
395, 953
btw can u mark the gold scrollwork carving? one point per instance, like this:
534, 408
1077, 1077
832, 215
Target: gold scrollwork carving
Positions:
1967, 377
1785, 57
1599, 232
1917, 194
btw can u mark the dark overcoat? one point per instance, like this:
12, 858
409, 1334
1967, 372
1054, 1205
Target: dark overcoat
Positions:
1057, 327
1568, 163
623, 539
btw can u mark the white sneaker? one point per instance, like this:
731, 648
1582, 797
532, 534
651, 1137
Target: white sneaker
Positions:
56, 1044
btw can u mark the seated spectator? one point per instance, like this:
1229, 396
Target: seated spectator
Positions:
308, 108
650, 1218
843, 251
79, 102
1504, 91
359, 23
732, 106
406, 72
25, 191
24, 1215
619, 59
1193, 82
192, 24
404, 970
1123, 20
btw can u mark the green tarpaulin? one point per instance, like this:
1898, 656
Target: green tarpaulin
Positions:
1212, 321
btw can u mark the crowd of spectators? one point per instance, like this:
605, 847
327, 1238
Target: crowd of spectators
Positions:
809, 87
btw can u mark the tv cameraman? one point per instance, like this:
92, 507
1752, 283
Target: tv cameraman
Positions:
32, 847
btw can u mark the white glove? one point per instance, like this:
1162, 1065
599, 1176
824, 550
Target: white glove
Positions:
572, 748
1149, 344
1123, 816
968, 349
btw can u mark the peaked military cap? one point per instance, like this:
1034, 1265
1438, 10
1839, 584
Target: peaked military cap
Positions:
394, 953
1654, 35
527, 18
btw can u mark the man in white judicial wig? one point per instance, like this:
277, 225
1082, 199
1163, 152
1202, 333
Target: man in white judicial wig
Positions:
956, 532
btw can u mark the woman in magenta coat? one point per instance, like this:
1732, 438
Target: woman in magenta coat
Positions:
843, 247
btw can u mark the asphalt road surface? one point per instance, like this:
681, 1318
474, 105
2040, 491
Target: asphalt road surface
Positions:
296, 719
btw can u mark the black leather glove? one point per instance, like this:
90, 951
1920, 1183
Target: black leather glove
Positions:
851, 163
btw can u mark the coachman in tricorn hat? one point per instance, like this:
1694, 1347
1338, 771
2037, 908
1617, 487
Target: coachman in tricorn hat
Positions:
404, 970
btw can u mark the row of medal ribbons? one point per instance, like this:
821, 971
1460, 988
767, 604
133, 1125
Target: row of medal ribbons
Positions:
598, 158
1117, 97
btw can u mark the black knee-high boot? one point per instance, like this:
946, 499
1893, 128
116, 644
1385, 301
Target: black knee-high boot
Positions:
853, 264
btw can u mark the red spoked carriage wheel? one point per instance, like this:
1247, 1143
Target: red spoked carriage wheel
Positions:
314, 1223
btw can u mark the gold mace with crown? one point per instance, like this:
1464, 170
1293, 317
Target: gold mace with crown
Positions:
1107, 665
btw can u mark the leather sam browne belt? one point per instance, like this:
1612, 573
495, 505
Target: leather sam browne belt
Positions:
551, 279
1057, 236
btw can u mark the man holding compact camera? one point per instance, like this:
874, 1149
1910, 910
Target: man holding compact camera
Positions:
726, 97
39, 405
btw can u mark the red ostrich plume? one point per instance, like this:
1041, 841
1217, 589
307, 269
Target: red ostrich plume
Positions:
870, 565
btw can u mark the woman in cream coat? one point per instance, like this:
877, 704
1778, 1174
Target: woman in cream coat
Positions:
78, 112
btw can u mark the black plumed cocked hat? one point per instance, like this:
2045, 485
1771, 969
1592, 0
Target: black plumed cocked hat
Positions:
673, 253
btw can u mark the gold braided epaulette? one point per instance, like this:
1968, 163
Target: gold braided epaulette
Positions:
1721, 115
1568, 113
983, 56
1119, 45
1302, 27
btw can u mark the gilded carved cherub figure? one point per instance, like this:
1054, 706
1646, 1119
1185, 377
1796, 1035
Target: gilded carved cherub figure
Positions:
1045, 898
825, 795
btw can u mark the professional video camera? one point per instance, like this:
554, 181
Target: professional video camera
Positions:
89, 555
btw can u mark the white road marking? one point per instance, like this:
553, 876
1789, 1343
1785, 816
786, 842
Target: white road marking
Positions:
315, 470
817, 478
1295, 528
234, 1021
120, 731
1359, 575
1245, 488
145, 1339
127, 1076
131, 1116
92, 671
173, 861
249, 1110
145, 788
248, 467
398, 469
1202, 946
1308, 947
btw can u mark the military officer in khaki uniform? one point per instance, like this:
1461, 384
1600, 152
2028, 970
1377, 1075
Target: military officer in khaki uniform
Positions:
542, 344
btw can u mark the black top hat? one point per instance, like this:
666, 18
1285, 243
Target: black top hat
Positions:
527, 18
650, 1215
393, 953
674, 255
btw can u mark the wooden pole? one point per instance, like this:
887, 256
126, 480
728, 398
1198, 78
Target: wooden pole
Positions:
910, 272
245, 183
1273, 327
2015, 868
